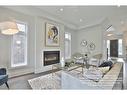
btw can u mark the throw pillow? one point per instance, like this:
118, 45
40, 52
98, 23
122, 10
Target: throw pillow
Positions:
68, 62
94, 62
106, 63
104, 70
93, 74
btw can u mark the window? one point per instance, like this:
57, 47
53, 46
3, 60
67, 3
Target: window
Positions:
120, 47
19, 46
67, 45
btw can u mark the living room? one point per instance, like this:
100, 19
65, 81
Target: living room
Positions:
80, 30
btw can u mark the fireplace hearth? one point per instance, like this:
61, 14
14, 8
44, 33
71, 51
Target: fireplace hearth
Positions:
51, 57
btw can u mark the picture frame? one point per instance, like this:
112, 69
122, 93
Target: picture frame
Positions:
52, 35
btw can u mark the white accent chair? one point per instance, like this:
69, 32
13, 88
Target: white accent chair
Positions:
95, 60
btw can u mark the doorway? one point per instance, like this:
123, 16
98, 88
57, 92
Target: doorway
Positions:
114, 48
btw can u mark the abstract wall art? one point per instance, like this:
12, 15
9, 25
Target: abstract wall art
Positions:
52, 35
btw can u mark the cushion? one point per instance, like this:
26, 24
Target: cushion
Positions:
3, 79
93, 74
106, 63
68, 62
114, 60
104, 70
94, 62
79, 61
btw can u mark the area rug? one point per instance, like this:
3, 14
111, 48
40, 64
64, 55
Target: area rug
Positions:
49, 81
52, 81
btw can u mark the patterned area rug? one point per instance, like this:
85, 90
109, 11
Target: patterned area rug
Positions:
50, 81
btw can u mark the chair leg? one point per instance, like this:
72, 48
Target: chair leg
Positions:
7, 85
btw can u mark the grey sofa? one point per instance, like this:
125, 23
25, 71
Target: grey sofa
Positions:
106, 83
3, 77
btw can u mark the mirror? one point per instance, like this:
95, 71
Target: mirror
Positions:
84, 43
91, 46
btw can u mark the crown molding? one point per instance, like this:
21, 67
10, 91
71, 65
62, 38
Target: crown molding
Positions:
40, 13
37, 12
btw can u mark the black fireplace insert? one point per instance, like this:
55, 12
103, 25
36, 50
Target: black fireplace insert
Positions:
51, 57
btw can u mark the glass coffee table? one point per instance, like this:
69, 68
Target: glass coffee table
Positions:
70, 82
70, 68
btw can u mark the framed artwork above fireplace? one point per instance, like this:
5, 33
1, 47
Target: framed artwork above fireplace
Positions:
52, 35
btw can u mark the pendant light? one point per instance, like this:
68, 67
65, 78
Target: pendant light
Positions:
8, 28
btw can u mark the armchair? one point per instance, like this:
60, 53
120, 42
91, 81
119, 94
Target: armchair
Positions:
96, 60
78, 58
3, 77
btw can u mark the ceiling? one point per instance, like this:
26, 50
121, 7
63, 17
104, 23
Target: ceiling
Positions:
79, 17
84, 16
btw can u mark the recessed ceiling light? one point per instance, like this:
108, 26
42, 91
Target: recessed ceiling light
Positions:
122, 22
61, 9
109, 34
118, 6
80, 20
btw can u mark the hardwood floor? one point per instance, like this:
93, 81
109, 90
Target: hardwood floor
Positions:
21, 82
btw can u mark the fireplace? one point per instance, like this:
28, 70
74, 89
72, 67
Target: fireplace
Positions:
51, 57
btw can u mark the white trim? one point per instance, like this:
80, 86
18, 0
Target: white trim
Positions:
19, 65
35, 65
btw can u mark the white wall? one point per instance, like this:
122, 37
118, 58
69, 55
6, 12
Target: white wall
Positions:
91, 34
36, 45
5, 43
40, 43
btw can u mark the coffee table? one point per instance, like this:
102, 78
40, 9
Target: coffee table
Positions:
70, 82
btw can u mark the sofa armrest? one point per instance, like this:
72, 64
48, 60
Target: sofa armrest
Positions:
2, 71
108, 81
